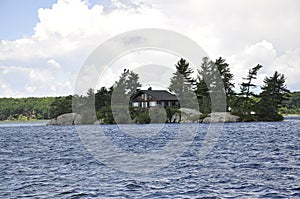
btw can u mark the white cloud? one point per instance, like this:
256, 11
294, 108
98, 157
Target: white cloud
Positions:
244, 32
151, 66
264, 53
21, 81
53, 63
68, 32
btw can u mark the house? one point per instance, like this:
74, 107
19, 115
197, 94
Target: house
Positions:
150, 98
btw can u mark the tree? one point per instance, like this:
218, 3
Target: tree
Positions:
292, 105
227, 78
202, 90
246, 86
182, 84
272, 96
127, 85
103, 105
29, 108
102, 98
124, 88
61, 105
85, 106
245, 103
210, 81
132, 83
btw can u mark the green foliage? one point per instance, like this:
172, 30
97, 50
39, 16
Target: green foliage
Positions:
182, 84
248, 85
245, 104
103, 97
31, 108
274, 92
212, 77
139, 115
227, 78
292, 105
105, 114
118, 96
61, 105
125, 87
202, 116
170, 112
273, 101
202, 88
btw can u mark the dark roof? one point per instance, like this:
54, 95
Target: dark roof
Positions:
158, 94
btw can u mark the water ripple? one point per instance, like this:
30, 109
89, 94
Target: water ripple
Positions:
250, 160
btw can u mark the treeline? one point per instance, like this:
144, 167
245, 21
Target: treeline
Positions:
250, 106
292, 105
268, 105
25, 108
34, 108
247, 104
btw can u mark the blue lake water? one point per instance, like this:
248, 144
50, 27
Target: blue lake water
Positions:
249, 160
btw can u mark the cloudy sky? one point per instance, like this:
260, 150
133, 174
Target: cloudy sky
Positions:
43, 44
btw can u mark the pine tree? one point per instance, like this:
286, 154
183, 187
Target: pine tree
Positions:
124, 88
227, 78
182, 84
212, 77
202, 90
246, 86
244, 103
273, 94
132, 83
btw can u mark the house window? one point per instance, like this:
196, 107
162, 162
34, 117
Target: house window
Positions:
135, 104
162, 103
144, 105
144, 96
152, 103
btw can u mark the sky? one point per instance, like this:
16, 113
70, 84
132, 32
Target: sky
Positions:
44, 43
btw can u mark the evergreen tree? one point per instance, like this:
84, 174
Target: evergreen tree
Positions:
132, 83
245, 103
248, 85
124, 88
212, 77
127, 84
227, 78
103, 105
272, 96
182, 84
85, 106
202, 89
61, 105
102, 98
292, 105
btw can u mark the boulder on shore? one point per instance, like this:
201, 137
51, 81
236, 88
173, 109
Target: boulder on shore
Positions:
187, 116
175, 118
66, 119
220, 117
97, 122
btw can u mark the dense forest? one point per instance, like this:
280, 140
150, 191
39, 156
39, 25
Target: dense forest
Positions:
268, 105
292, 105
25, 108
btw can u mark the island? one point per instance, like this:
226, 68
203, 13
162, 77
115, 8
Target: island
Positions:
186, 100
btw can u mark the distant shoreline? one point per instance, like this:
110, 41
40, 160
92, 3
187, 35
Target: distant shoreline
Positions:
291, 115
22, 121
45, 121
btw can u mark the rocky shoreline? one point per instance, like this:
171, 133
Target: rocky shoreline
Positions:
187, 116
